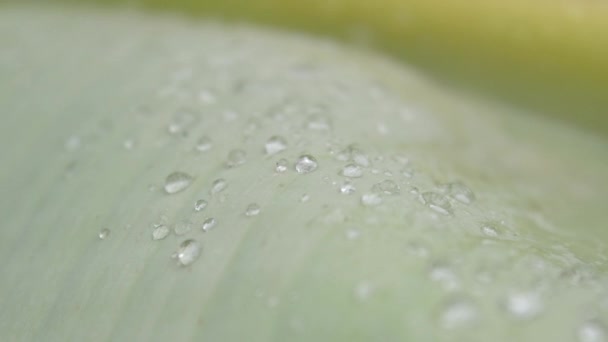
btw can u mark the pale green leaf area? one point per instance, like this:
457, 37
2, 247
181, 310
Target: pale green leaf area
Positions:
98, 108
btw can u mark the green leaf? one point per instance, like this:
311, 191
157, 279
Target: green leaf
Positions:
470, 221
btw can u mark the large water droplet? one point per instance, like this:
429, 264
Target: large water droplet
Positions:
188, 252
460, 192
182, 227
104, 234
253, 209
352, 171
458, 313
592, 331
347, 188
160, 232
218, 186
275, 145
386, 187
177, 181
306, 164
200, 205
209, 223
204, 144
371, 199
236, 158
437, 202
523, 305
281, 165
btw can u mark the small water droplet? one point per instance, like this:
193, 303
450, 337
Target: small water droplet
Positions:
523, 305
72, 143
417, 249
460, 192
353, 234
206, 97
386, 187
200, 205
281, 165
177, 181
188, 252
203, 144
347, 188
437, 202
253, 209
444, 274
363, 291
160, 232
318, 122
371, 199
382, 128
181, 122
182, 227
304, 198
129, 144
592, 331
489, 231
275, 145
352, 171
458, 313
218, 186
236, 158
209, 223
359, 158
306, 164
104, 234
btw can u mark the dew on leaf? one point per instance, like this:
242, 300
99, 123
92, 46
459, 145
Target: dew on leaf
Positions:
188, 252
203, 144
318, 122
363, 291
306, 164
592, 331
236, 158
458, 313
209, 223
252, 209
218, 186
347, 188
128, 144
386, 187
445, 275
352, 234
104, 234
275, 145
523, 305
200, 205
352, 171
437, 202
176, 182
489, 231
304, 198
460, 192
281, 165
160, 232
371, 199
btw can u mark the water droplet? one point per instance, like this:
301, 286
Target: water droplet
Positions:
386, 187
363, 291
72, 143
382, 128
592, 331
200, 205
318, 122
253, 209
458, 313
206, 97
281, 165
236, 158
353, 234
160, 232
218, 186
417, 249
203, 144
347, 188
275, 145
209, 223
188, 252
371, 199
489, 231
182, 227
523, 305
460, 192
129, 144
304, 198
306, 164
352, 171
104, 234
437, 202
359, 158
181, 121
177, 181
445, 275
